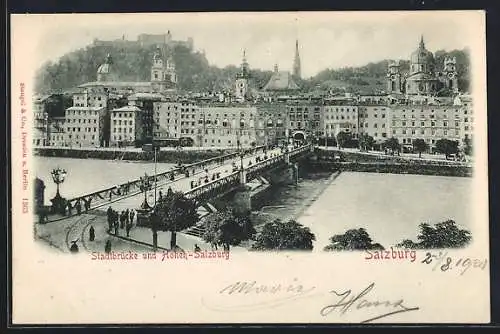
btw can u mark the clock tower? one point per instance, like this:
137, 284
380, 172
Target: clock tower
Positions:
450, 74
393, 78
241, 84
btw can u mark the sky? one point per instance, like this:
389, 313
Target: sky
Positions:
326, 39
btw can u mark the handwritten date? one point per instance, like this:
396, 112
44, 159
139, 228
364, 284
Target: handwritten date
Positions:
441, 261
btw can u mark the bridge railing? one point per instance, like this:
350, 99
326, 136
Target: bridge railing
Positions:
134, 186
213, 188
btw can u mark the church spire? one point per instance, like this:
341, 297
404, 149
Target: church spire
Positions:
422, 45
296, 61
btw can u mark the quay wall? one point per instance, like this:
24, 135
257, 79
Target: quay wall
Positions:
167, 156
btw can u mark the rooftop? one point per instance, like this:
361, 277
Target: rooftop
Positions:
127, 108
281, 81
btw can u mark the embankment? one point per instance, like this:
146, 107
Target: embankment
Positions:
170, 156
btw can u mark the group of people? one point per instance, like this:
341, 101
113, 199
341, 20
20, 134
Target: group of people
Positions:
122, 220
120, 190
205, 179
78, 206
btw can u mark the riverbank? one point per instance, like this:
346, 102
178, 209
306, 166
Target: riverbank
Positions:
393, 168
339, 160
167, 156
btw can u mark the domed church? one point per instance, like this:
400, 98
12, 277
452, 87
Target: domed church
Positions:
423, 79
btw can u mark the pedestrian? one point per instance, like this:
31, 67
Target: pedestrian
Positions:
132, 214
161, 195
116, 228
78, 206
74, 247
91, 233
122, 219
107, 246
69, 208
110, 219
196, 248
128, 227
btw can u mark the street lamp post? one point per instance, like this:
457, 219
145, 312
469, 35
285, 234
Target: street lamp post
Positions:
145, 184
58, 202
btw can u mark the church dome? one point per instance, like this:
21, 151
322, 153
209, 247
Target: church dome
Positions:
421, 55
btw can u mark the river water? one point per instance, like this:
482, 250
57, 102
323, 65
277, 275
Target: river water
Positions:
389, 206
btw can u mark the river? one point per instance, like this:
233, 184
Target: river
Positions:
88, 175
389, 206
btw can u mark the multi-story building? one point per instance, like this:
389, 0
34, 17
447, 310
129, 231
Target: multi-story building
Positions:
373, 120
305, 119
271, 125
167, 120
427, 122
85, 126
40, 121
57, 132
146, 102
340, 117
125, 126
226, 125
464, 104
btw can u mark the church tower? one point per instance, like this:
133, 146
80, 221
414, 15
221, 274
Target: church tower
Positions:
450, 74
394, 78
242, 78
163, 73
296, 61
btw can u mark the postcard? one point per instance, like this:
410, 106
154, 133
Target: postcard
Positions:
280, 167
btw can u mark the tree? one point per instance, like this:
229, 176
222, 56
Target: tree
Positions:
353, 239
468, 146
342, 138
420, 146
279, 235
447, 147
173, 212
442, 235
393, 145
228, 229
366, 142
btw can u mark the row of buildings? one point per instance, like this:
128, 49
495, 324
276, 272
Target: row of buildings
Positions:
113, 113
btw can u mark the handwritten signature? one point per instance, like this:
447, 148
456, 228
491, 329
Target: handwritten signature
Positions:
349, 302
259, 296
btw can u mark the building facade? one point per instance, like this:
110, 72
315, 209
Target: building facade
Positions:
85, 126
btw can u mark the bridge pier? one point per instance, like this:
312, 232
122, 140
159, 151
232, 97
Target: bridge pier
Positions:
242, 201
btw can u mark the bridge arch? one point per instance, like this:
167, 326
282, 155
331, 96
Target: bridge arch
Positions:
299, 135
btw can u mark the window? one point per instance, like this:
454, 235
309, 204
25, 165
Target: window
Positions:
433, 123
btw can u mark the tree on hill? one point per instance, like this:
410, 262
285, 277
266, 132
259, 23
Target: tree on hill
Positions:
173, 212
419, 145
442, 235
228, 229
279, 235
353, 239
447, 147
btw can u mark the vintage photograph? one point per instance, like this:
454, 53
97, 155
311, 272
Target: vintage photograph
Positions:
211, 135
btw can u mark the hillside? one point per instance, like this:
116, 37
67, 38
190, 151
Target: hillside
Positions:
133, 63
